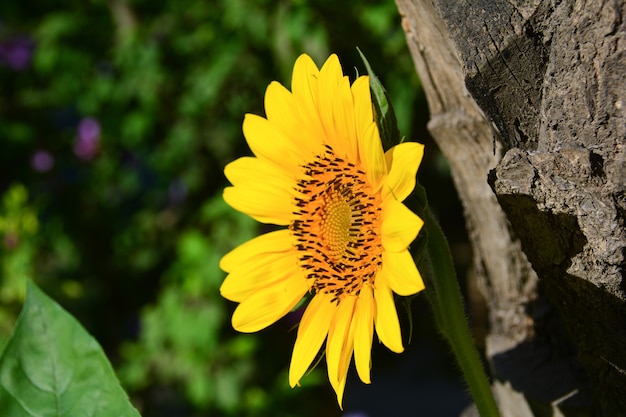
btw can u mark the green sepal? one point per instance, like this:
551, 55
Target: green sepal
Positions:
51, 366
385, 115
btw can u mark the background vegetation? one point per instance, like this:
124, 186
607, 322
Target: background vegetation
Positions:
116, 120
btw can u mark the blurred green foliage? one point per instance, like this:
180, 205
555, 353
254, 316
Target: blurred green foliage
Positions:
18, 223
116, 120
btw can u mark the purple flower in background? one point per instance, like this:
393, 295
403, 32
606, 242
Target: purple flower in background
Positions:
17, 52
42, 161
87, 142
177, 191
11, 240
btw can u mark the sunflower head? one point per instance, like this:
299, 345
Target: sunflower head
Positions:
319, 170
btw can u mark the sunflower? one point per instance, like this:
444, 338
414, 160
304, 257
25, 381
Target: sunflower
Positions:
319, 169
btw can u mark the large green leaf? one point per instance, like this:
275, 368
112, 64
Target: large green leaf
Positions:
53, 367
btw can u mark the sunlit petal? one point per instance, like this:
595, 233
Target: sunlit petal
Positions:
400, 226
257, 273
332, 87
362, 105
266, 306
364, 332
280, 102
267, 141
312, 332
246, 169
279, 241
387, 324
401, 273
340, 345
344, 127
265, 204
402, 161
304, 87
372, 156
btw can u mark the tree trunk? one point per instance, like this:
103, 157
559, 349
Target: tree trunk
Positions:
528, 104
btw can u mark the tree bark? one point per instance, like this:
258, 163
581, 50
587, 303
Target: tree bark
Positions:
528, 104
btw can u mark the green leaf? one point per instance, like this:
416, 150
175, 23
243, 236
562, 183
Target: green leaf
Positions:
385, 116
53, 367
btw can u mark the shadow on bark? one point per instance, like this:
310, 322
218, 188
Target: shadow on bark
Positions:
547, 369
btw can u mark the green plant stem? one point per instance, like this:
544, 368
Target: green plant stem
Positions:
450, 313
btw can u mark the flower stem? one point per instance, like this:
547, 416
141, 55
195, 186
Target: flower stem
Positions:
447, 302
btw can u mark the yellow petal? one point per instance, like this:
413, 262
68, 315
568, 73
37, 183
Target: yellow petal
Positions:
263, 179
332, 86
331, 70
401, 273
387, 324
311, 334
304, 89
279, 241
340, 345
400, 226
257, 273
267, 141
344, 118
372, 156
402, 162
339, 389
262, 202
363, 113
280, 106
246, 169
269, 304
305, 75
257, 264
283, 111
364, 333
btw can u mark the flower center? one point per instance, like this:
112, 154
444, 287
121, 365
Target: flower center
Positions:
336, 222
337, 226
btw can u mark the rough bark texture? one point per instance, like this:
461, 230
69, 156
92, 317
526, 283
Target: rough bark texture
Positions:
528, 103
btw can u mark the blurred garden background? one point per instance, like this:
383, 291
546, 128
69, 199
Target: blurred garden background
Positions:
116, 120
